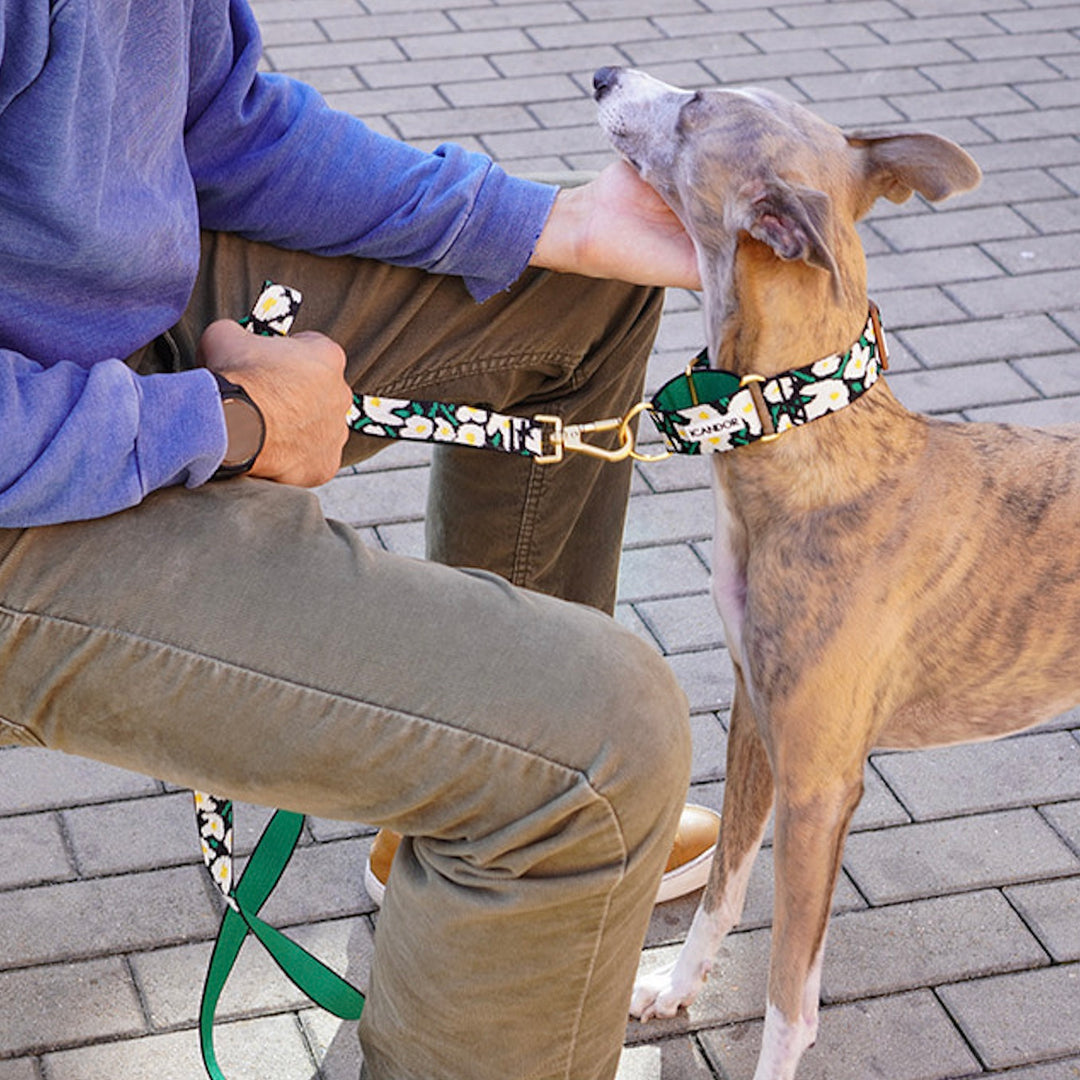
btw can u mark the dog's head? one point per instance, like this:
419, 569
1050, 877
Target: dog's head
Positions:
749, 163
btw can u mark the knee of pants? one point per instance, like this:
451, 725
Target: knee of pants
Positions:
649, 732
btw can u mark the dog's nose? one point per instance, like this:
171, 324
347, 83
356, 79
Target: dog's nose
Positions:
604, 80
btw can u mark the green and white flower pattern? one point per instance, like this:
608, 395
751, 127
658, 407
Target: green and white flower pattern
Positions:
796, 397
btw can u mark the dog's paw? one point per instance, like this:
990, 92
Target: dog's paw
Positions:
661, 994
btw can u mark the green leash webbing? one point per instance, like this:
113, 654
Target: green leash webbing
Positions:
272, 313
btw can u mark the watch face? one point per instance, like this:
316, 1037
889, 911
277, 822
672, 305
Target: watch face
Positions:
245, 430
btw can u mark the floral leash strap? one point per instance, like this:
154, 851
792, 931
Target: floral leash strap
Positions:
273, 313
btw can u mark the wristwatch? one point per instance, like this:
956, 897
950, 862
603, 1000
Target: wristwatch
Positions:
244, 426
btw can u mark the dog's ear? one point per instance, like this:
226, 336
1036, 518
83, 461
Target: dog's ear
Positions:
791, 219
900, 162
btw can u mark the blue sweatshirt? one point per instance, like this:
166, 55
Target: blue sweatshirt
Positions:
125, 127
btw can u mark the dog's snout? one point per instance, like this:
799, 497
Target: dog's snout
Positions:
604, 80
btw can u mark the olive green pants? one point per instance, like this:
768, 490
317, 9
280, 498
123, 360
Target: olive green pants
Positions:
536, 754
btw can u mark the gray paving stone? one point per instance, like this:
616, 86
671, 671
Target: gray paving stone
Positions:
917, 306
1062, 1069
990, 72
668, 516
33, 779
951, 227
960, 263
1033, 253
945, 389
907, 1037
1033, 413
38, 834
170, 980
684, 623
899, 55
1052, 291
1051, 43
706, 678
65, 1004
956, 855
140, 835
1065, 817
1054, 215
22, 1069
924, 943
1052, 375
376, 498
334, 1044
1019, 1018
246, 1050
960, 27
79, 919
670, 1057
1052, 910
1013, 125
979, 102
989, 776
990, 339
710, 748
1027, 153
664, 570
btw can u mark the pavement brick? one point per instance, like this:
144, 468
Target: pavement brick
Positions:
1054, 215
33, 779
333, 1043
925, 943
944, 229
1032, 254
63, 1004
37, 833
170, 980
1055, 375
962, 263
246, 1050
1049, 291
671, 1057
930, 28
979, 102
1040, 413
989, 339
1065, 817
664, 570
956, 855
986, 776
907, 1037
1052, 910
706, 677
22, 1069
945, 389
684, 623
1019, 1018
82, 919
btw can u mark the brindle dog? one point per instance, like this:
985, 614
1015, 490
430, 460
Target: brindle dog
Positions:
884, 579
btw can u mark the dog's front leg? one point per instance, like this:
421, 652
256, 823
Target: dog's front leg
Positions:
811, 826
747, 801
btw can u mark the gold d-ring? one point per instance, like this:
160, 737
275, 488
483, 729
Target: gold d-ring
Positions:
626, 436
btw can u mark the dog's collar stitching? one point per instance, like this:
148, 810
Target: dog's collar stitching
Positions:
706, 411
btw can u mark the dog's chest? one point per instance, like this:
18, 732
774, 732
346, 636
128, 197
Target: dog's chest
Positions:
728, 575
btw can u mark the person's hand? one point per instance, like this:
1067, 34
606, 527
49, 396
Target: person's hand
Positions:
298, 382
616, 226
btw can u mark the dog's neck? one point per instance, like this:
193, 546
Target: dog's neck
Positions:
779, 316
769, 316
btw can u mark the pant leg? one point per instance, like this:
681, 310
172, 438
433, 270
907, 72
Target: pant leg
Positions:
231, 639
554, 343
